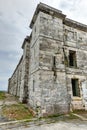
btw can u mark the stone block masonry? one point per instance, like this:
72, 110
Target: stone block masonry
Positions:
52, 73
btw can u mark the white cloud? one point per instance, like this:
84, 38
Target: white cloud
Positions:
74, 9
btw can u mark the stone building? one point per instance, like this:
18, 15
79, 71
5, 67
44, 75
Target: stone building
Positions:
52, 73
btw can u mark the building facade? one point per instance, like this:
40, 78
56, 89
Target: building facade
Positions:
52, 73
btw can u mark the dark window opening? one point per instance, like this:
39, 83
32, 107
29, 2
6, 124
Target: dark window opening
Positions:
54, 61
75, 88
72, 59
54, 65
33, 85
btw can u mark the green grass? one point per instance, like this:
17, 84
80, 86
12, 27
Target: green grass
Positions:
79, 111
2, 95
62, 117
16, 112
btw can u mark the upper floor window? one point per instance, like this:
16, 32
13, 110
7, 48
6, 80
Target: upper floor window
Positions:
72, 59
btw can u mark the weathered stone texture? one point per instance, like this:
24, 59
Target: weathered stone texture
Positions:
15, 80
54, 93
54, 59
51, 27
18, 83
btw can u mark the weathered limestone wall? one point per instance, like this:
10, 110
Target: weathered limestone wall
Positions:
46, 83
25, 72
53, 77
76, 40
33, 82
53, 93
55, 39
34, 90
43, 77
15, 80
18, 83
51, 27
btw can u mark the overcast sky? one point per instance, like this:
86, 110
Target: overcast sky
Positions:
15, 17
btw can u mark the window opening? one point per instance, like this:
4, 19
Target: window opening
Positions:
54, 61
72, 58
75, 87
33, 85
54, 66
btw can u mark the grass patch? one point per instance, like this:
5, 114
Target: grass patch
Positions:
55, 115
59, 117
80, 111
16, 112
2, 95
63, 117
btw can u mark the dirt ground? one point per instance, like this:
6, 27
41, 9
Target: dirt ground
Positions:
8, 100
60, 125
55, 123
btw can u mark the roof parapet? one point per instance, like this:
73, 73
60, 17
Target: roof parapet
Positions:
17, 65
46, 9
57, 13
75, 24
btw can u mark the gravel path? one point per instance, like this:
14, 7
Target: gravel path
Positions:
53, 126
